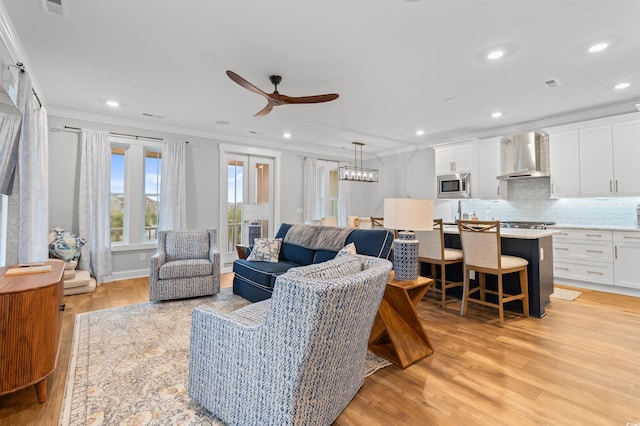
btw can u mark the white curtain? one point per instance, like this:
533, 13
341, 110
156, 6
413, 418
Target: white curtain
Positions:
310, 189
94, 203
32, 174
344, 205
9, 136
173, 186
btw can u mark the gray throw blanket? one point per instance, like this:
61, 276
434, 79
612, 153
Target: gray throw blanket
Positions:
317, 237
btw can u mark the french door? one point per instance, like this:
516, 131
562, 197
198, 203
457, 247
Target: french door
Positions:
248, 202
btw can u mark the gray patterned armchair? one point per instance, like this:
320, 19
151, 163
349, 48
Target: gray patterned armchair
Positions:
295, 359
186, 264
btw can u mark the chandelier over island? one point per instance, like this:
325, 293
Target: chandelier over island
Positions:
356, 172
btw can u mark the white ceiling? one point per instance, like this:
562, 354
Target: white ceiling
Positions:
398, 65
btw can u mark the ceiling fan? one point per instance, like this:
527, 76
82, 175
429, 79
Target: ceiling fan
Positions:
275, 98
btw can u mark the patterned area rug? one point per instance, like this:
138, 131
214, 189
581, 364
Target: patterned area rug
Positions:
564, 294
129, 365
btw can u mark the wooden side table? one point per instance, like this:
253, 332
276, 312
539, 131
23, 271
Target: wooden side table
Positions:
397, 334
30, 328
242, 251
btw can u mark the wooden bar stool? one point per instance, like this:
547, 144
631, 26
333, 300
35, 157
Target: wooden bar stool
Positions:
433, 251
483, 254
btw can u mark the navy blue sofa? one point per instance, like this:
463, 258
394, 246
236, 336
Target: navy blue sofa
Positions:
255, 280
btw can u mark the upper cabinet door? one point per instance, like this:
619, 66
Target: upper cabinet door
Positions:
626, 154
486, 186
564, 161
453, 159
596, 162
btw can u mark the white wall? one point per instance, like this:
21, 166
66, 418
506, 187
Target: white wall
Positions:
202, 162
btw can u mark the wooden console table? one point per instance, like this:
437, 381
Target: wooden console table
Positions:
397, 334
30, 326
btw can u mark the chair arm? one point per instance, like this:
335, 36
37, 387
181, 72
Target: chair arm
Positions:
214, 255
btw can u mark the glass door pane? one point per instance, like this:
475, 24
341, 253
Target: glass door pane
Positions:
235, 201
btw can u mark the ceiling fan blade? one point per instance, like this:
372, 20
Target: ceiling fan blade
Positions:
266, 110
308, 99
244, 83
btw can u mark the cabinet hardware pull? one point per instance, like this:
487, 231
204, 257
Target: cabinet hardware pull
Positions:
630, 237
62, 307
616, 185
498, 190
595, 273
594, 235
561, 248
615, 252
594, 251
562, 233
562, 269
552, 188
610, 186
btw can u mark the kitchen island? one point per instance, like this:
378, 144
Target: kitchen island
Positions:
534, 245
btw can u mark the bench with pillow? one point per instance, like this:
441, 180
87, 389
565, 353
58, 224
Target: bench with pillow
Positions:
301, 245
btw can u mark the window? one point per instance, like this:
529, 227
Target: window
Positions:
117, 205
152, 169
136, 168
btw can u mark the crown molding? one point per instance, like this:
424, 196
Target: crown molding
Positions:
219, 137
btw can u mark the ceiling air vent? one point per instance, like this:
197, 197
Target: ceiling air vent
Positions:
56, 7
552, 83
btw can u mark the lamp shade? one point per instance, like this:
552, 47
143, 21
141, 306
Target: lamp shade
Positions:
408, 214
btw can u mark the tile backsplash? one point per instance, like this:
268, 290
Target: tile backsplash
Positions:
529, 201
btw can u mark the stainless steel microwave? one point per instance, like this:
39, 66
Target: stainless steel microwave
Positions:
454, 186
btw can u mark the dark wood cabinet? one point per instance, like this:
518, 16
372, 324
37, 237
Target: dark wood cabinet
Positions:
30, 327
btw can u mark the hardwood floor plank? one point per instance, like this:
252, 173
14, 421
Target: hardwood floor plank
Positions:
577, 365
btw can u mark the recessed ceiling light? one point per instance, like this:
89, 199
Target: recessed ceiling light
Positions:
496, 114
495, 54
223, 122
598, 47
419, 132
450, 100
113, 104
286, 135
621, 86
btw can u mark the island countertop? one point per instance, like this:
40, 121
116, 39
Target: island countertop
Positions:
527, 234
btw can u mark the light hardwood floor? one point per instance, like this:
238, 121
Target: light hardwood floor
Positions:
578, 365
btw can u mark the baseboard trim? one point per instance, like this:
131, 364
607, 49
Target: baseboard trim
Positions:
626, 291
127, 275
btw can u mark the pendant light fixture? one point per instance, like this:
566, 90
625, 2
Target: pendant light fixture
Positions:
356, 172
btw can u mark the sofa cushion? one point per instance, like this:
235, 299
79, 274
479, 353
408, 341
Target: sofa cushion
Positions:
187, 245
336, 268
185, 268
297, 254
324, 255
262, 273
372, 242
265, 250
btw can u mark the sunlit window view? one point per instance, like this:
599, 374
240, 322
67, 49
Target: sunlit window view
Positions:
235, 175
152, 177
117, 209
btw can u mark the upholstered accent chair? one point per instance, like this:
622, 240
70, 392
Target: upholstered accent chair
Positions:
186, 264
295, 359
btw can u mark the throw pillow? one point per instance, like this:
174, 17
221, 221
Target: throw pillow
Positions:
348, 250
266, 250
65, 245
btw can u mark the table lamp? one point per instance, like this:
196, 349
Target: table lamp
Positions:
407, 215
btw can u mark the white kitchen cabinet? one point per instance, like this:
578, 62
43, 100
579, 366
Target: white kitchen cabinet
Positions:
457, 158
484, 183
626, 257
583, 255
596, 162
564, 161
626, 152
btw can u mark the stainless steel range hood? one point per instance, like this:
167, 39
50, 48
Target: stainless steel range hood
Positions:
525, 156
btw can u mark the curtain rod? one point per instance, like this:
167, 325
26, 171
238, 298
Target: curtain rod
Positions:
20, 66
77, 129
